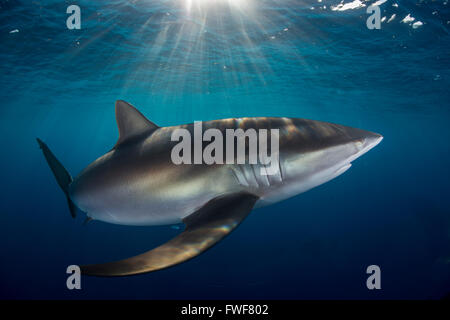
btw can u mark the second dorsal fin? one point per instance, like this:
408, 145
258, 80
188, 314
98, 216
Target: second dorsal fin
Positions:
131, 122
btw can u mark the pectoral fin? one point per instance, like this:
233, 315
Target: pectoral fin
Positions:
204, 228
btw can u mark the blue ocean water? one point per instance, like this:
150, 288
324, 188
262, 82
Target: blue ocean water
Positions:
180, 61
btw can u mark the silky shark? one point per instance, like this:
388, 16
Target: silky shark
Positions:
136, 183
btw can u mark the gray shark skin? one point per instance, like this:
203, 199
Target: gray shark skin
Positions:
136, 183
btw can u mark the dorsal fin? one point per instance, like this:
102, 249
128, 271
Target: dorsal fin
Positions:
131, 122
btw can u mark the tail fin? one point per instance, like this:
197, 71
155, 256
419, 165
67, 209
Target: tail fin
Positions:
62, 176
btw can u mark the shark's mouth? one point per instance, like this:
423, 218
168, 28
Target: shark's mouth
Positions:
342, 169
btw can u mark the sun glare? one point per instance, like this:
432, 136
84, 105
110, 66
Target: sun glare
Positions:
203, 46
203, 4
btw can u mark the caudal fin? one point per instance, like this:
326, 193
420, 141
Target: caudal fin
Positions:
62, 176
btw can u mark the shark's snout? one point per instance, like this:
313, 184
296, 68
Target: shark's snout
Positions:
362, 143
369, 141
373, 139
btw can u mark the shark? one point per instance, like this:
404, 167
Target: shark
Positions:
137, 184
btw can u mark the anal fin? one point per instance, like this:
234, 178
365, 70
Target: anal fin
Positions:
204, 228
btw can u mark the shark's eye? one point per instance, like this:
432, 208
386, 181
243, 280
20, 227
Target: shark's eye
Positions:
359, 143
